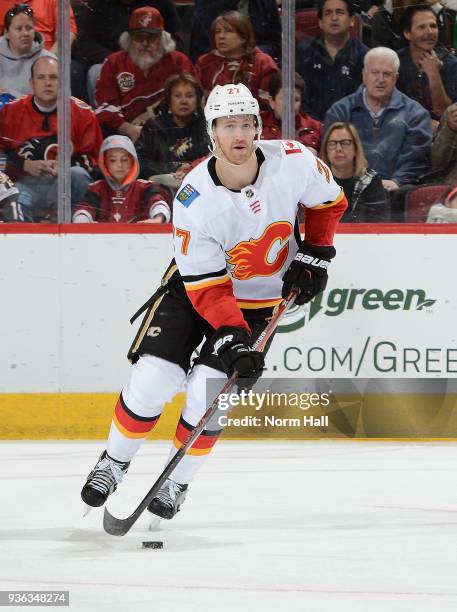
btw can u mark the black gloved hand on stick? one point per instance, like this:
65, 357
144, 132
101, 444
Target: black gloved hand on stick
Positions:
308, 272
233, 346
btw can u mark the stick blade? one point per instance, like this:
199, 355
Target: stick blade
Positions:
115, 526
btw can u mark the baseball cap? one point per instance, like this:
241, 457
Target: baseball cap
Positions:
146, 19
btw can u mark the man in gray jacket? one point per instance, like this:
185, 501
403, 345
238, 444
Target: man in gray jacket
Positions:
396, 131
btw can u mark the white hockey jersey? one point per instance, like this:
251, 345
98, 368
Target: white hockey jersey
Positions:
233, 247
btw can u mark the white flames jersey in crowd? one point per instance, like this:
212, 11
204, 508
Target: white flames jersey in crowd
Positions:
7, 187
233, 247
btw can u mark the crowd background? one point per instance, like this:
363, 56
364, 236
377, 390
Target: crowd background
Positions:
375, 96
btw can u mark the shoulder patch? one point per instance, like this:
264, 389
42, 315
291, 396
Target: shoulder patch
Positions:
187, 195
291, 146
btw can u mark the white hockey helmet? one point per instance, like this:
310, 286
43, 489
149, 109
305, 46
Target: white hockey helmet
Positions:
228, 101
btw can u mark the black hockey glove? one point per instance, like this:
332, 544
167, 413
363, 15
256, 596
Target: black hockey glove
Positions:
308, 272
232, 345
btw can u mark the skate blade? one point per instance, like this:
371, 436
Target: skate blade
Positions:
86, 510
154, 523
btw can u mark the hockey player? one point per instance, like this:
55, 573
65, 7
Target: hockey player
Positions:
236, 253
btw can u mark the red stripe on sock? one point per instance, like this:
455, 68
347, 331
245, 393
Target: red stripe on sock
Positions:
130, 423
202, 442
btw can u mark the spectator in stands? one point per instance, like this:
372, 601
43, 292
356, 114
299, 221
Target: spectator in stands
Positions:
307, 130
102, 22
428, 72
20, 46
386, 24
395, 131
46, 23
131, 81
446, 14
121, 197
171, 143
46, 20
263, 14
342, 150
444, 211
234, 58
444, 146
10, 207
28, 135
331, 65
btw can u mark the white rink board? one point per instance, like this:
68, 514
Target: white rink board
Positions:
67, 299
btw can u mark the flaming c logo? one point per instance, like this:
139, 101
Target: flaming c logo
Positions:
253, 257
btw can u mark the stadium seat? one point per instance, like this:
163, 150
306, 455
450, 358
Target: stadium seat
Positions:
420, 199
307, 25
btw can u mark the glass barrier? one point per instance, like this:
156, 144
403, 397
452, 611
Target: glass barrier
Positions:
30, 91
387, 130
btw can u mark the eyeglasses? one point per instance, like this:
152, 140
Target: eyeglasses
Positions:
345, 143
19, 8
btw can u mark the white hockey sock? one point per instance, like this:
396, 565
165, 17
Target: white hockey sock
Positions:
153, 382
197, 401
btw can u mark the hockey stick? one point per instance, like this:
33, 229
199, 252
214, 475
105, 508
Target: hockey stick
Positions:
119, 527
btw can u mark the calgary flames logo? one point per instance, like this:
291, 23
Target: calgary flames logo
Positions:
262, 256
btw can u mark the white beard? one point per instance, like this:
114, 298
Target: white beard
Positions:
145, 62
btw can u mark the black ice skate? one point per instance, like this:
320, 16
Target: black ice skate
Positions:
169, 499
103, 480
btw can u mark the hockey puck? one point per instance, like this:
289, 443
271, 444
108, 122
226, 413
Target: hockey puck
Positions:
151, 544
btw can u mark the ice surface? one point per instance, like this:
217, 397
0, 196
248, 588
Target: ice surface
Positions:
294, 526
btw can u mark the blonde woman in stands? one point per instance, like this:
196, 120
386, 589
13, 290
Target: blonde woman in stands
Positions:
342, 150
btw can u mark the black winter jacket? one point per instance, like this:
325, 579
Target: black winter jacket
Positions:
328, 80
163, 146
367, 199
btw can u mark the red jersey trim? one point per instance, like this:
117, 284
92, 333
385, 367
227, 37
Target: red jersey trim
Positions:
217, 305
321, 222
